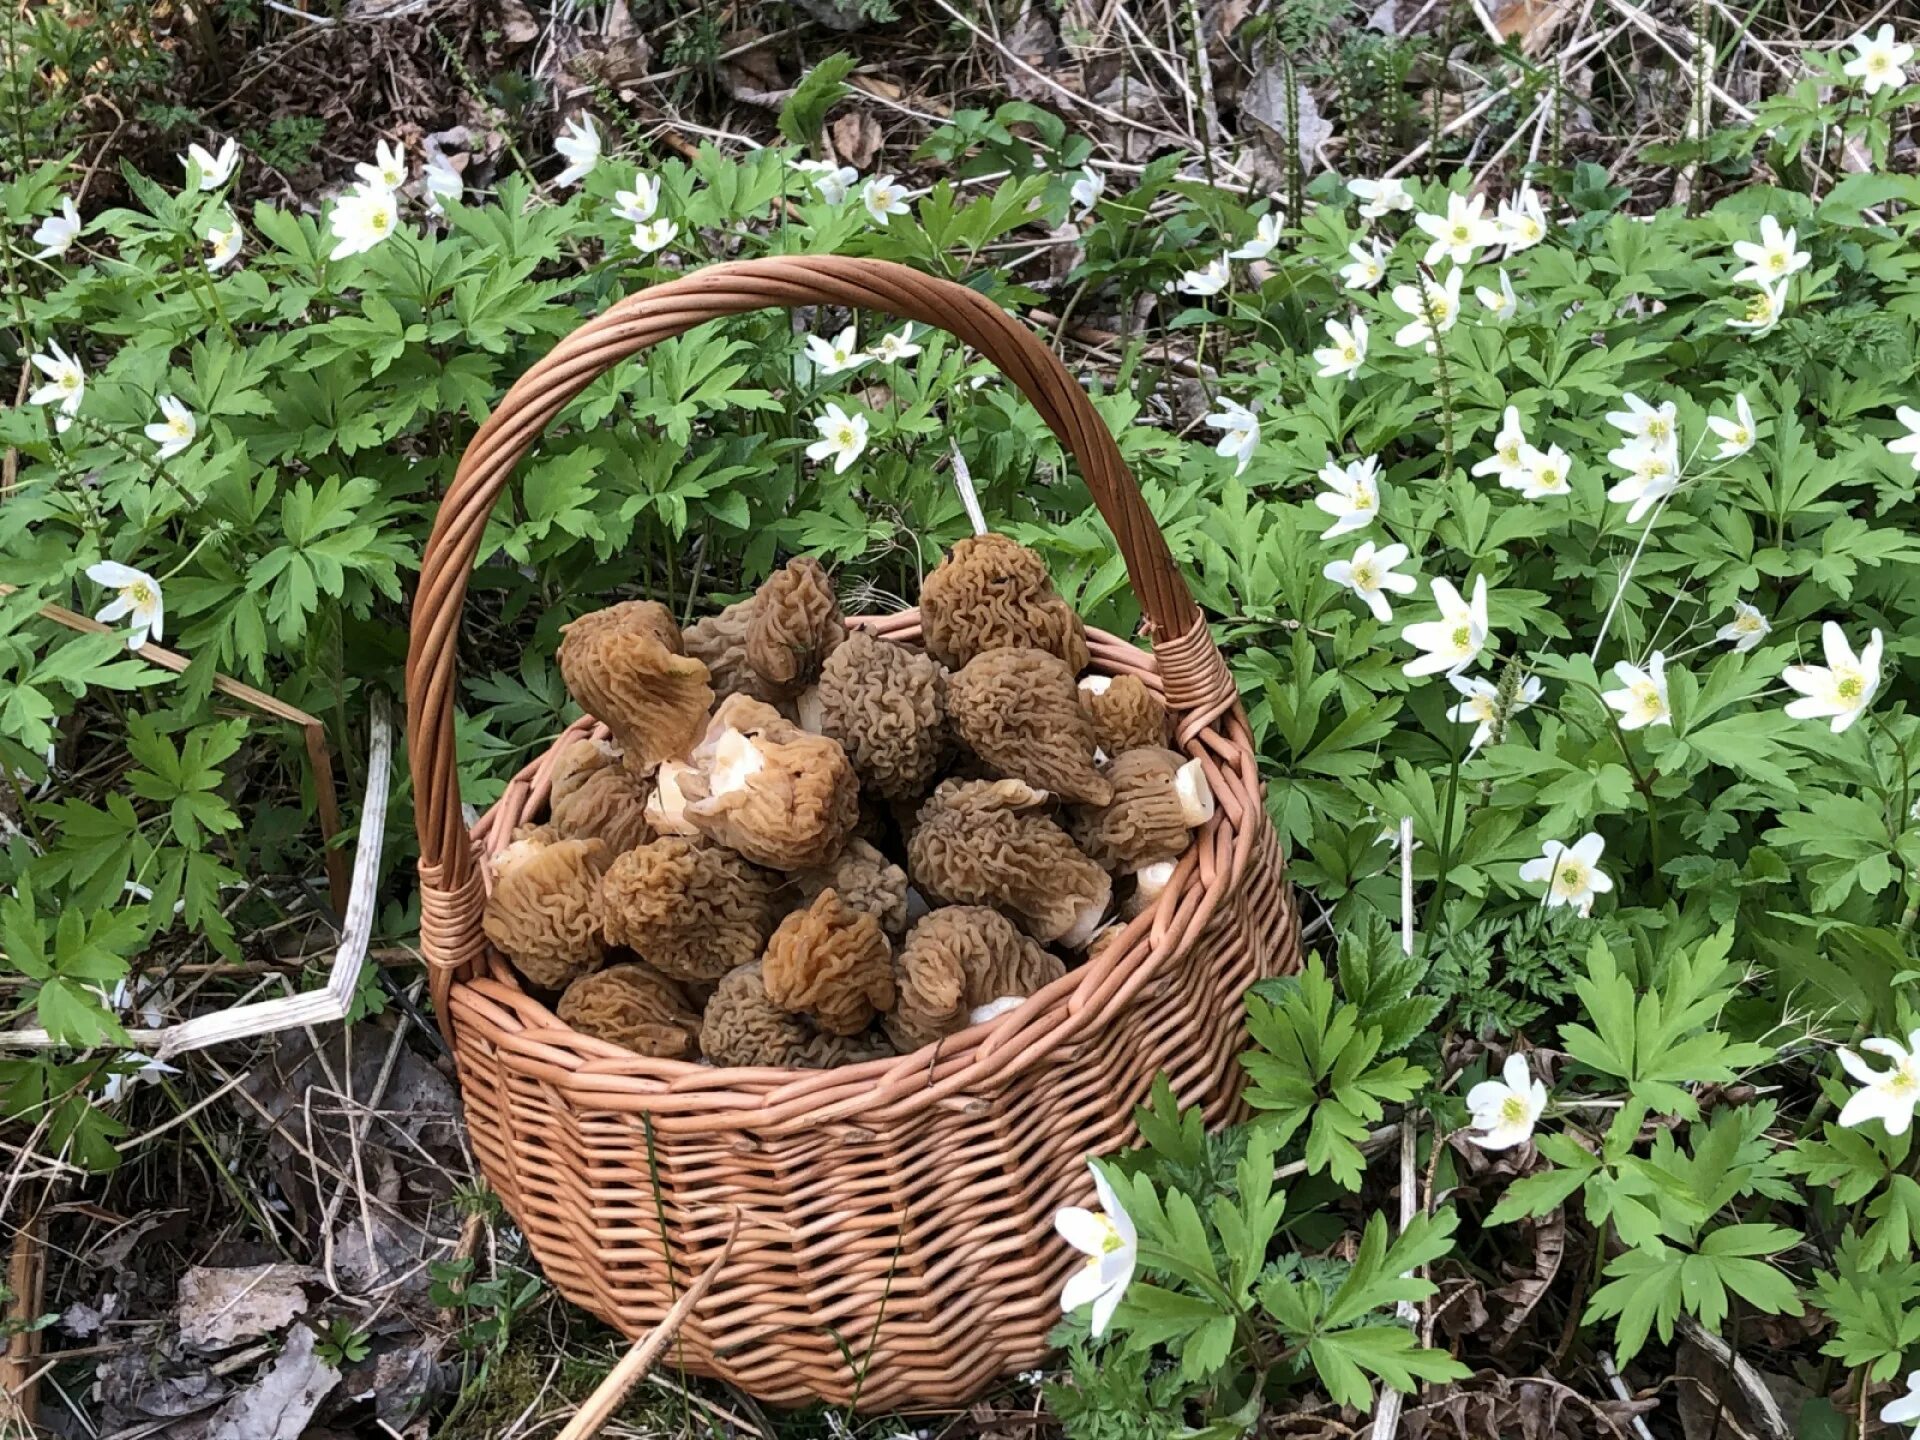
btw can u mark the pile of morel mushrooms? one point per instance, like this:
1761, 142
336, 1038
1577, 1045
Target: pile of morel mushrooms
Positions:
864, 846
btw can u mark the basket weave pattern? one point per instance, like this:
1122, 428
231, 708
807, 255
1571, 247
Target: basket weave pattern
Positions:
898, 1212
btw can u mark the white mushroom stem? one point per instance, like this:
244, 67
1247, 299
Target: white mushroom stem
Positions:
734, 759
1086, 919
994, 1009
1096, 684
666, 806
1196, 795
810, 712
1149, 881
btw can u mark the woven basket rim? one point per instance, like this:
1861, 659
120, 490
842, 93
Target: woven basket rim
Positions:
517, 1011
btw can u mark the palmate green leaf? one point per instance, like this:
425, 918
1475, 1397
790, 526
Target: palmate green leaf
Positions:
805, 110
1343, 1359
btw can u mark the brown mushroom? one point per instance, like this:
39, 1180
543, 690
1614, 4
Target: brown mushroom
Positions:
594, 795
633, 1006
743, 1026
992, 593
691, 910
886, 705
720, 643
764, 787
1159, 799
866, 880
978, 842
627, 667
543, 911
1018, 711
1125, 713
666, 804
831, 963
794, 625
956, 960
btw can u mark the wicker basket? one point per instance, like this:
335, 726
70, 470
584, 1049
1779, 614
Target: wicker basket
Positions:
895, 1239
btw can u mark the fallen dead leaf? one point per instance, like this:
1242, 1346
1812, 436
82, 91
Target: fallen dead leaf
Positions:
279, 1404
1264, 101
221, 1306
856, 138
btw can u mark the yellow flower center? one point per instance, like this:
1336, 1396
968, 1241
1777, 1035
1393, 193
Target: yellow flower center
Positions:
139, 592
1463, 637
1570, 878
1461, 234
1366, 576
1648, 697
1550, 478
1513, 1109
1510, 452
1851, 686
1658, 428
1879, 62
1748, 624
378, 222
1438, 304
1350, 353
1776, 261
1530, 228
1363, 501
1902, 1079
177, 427
70, 380
1760, 307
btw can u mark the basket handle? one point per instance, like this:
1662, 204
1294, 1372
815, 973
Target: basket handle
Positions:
1194, 675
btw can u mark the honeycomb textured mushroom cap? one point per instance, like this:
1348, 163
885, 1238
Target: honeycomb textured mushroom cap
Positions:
634, 1006
887, 706
1151, 816
1125, 713
595, 796
627, 667
691, 910
764, 787
1019, 712
796, 623
720, 643
544, 909
743, 1026
979, 842
866, 880
831, 963
992, 593
955, 960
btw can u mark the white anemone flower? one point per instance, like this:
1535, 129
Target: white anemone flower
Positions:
1370, 574
58, 232
65, 387
842, 438
1904, 1409
1502, 302
1879, 63
214, 170
1888, 1095
1435, 298
1454, 641
1571, 873
883, 198
1266, 235
1481, 703
1377, 197
896, 347
637, 206
1736, 435
1651, 477
224, 243
137, 598
1462, 232
832, 183
1368, 267
1545, 472
1765, 306
1506, 1110
1841, 689
388, 170
1655, 424
1522, 221
1108, 1240
1086, 190
1909, 443
174, 430
1210, 279
361, 219
1643, 700
443, 183
1746, 630
830, 357
1508, 463
1352, 495
654, 235
1240, 432
579, 146
1347, 353
1774, 258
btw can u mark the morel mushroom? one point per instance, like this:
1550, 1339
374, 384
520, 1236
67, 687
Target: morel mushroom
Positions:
689, 909
1125, 713
992, 593
667, 805
795, 625
762, 786
744, 1027
831, 963
886, 705
976, 842
720, 643
594, 795
866, 880
627, 667
544, 909
634, 1006
1019, 712
1159, 799
957, 960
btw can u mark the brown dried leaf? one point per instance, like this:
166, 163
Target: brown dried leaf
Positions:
221, 1306
856, 138
279, 1404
